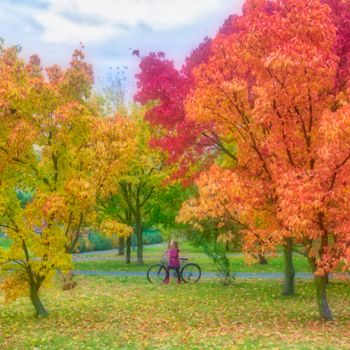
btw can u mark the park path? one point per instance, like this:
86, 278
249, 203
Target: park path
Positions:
112, 251
99, 255
244, 275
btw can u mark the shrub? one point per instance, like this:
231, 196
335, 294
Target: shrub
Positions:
152, 236
208, 241
96, 241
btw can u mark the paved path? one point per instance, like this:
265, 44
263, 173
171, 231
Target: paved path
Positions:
100, 257
113, 255
247, 275
111, 251
111, 258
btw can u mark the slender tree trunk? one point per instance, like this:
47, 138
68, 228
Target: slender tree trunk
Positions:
74, 241
121, 246
35, 299
68, 280
34, 286
327, 278
139, 244
321, 295
262, 259
289, 271
323, 307
128, 250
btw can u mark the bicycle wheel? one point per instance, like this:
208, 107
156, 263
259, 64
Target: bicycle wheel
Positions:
191, 273
156, 274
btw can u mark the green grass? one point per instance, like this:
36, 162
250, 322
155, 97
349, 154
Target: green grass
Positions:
153, 254
158, 250
5, 243
238, 264
127, 313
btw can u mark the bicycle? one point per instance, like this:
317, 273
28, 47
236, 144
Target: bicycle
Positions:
190, 272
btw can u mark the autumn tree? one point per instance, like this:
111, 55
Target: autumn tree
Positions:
38, 240
56, 148
273, 86
139, 185
113, 90
182, 139
158, 212
111, 98
189, 143
223, 203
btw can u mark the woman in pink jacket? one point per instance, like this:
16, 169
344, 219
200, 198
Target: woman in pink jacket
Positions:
173, 261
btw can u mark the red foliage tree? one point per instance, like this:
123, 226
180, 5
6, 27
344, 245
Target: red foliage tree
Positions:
184, 140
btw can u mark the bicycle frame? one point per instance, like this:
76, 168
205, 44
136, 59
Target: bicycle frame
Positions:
183, 265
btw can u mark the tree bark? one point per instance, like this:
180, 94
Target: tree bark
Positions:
289, 271
323, 307
68, 280
35, 299
139, 244
262, 259
128, 250
321, 295
327, 278
121, 246
74, 242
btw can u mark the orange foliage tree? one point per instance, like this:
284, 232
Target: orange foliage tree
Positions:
232, 201
270, 86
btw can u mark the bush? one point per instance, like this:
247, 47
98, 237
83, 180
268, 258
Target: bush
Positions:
208, 241
152, 236
95, 241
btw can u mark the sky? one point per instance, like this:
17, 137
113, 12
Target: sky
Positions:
110, 29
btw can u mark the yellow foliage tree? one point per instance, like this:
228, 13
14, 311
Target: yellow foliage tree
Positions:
55, 147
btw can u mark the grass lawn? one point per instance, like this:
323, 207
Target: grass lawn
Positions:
4, 243
237, 263
128, 313
152, 255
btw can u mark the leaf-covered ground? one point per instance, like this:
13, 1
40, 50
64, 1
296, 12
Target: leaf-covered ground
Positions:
129, 313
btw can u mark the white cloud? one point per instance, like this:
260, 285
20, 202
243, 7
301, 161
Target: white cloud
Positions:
95, 21
58, 30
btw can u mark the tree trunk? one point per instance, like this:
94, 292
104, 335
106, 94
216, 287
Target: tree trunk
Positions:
327, 278
128, 250
262, 259
121, 246
77, 235
323, 308
139, 244
34, 297
321, 295
68, 280
289, 271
